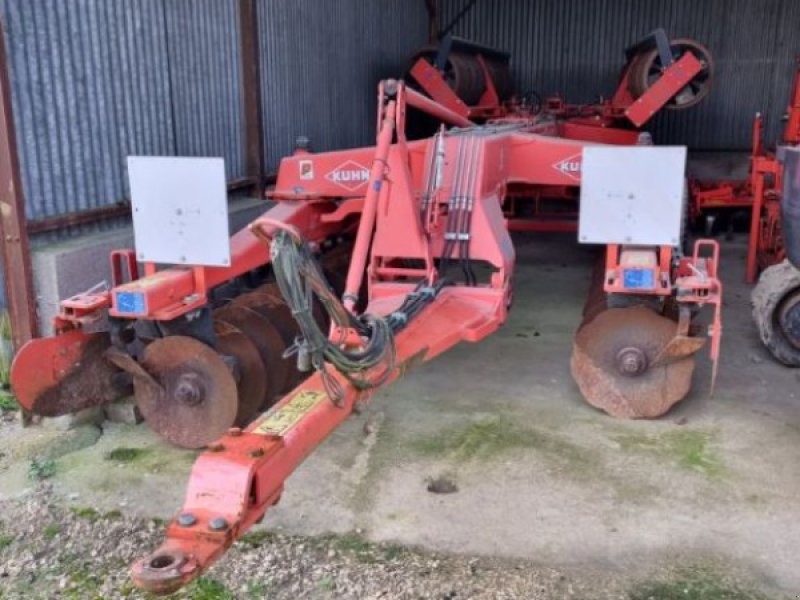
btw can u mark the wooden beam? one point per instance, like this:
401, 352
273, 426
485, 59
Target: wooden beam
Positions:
14, 245
251, 90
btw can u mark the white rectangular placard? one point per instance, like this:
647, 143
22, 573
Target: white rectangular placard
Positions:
632, 195
180, 210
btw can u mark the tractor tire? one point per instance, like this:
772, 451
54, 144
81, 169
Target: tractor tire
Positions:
775, 286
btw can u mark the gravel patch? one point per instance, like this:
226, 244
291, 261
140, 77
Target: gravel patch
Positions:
49, 549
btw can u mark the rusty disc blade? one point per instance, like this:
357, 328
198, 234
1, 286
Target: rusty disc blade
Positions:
317, 310
268, 342
613, 363
277, 313
251, 383
65, 373
265, 301
195, 401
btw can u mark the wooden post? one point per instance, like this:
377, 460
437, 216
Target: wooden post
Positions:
14, 246
251, 91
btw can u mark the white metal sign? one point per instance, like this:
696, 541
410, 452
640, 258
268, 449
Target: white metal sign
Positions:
632, 195
180, 210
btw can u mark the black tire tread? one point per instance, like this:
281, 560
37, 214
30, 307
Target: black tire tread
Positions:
773, 285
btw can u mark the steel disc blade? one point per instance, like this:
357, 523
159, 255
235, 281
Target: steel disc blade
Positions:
252, 375
640, 335
65, 373
268, 342
196, 399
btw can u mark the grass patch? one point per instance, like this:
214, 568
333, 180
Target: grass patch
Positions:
127, 455
6, 352
83, 584
7, 402
92, 515
490, 437
208, 588
85, 512
52, 530
256, 539
686, 448
41, 468
5, 325
364, 551
5, 540
257, 590
693, 584
326, 583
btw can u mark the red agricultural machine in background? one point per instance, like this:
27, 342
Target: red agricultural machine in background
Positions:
474, 82
768, 194
381, 258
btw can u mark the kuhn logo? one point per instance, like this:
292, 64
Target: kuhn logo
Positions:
571, 166
350, 175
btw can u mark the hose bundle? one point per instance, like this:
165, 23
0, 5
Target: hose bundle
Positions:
300, 279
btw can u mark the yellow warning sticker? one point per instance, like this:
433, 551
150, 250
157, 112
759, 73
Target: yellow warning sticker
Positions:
288, 415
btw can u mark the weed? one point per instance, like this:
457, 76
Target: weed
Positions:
352, 543
207, 588
83, 584
256, 539
7, 402
326, 583
257, 590
364, 551
126, 455
5, 326
6, 352
113, 514
693, 584
41, 468
5, 540
85, 512
393, 552
51, 531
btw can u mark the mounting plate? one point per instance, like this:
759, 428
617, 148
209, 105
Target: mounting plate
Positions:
180, 210
632, 195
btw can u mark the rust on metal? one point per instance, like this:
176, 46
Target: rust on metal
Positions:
57, 376
619, 363
251, 380
275, 310
267, 340
198, 402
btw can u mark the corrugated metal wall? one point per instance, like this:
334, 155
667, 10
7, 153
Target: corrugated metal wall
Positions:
576, 47
97, 80
321, 64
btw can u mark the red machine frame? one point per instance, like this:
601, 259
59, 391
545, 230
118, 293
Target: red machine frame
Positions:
239, 477
760, 192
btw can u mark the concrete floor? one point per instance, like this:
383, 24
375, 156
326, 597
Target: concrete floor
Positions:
540, 474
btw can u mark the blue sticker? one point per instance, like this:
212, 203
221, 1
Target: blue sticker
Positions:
638, 279
130, 302
377, 186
